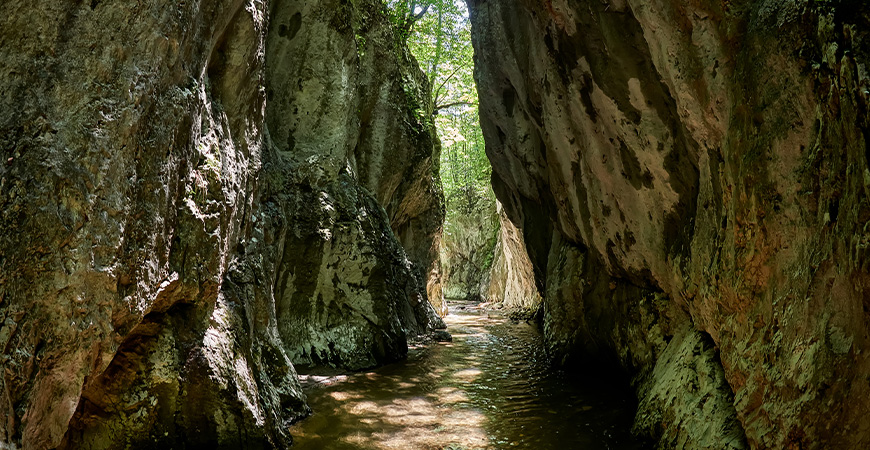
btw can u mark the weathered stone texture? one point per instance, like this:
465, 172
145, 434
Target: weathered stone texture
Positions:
471, 235
348, 103
511, 279
484, 258
131, 140
158, 224
710, 156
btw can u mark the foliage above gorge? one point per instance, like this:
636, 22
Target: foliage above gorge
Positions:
438, 32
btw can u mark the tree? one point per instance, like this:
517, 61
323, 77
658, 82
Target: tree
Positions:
438, 33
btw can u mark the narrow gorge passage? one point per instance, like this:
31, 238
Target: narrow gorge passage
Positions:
201, 199
491, 388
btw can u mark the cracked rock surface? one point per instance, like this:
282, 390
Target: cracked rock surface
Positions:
185, 213
691, 179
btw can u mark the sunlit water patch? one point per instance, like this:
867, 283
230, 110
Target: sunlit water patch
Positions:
491, 388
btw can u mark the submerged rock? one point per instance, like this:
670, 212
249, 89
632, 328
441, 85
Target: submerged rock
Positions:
691, 175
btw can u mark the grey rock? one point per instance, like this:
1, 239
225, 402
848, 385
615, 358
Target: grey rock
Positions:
442, 336
169, 191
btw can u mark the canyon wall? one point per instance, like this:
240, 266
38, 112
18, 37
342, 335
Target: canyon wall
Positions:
185, 214
510, 281
484, 259
471, 234
347, 122
691, 180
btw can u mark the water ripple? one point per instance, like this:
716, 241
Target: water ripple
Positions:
491, 388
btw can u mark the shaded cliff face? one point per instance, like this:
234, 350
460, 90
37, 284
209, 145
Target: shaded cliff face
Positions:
159, 230
484, 258
347, 102
372, 116
470, 238
132, 137
694, 175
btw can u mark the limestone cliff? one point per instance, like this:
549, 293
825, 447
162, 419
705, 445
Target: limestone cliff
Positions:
691, 179
183, 215
470, 238
511, 278
484, 258
347, 122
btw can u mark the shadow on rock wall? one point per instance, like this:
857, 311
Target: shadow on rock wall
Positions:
695, 171
184, 216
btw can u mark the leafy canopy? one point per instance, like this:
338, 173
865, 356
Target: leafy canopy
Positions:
438, 32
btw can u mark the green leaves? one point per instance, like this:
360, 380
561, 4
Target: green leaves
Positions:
465, 169
438, 33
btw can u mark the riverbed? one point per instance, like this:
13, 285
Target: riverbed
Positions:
491, 388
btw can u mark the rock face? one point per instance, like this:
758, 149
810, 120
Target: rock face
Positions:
348, 103
470, 238
484, 258
171, 239
691, 180
511, 279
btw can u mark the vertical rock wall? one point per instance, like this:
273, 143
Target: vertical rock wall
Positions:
691, 179
511, 279
132, 136
484, 258
349, 133
471, 235
171, 239
397, 155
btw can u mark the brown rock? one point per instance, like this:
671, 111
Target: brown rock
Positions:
163, 172
681, 165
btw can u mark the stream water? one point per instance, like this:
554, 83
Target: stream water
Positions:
491, 388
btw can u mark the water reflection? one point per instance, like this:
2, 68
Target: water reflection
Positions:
491, 388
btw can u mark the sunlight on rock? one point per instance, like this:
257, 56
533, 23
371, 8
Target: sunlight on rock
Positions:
450, 396
363, 407
342, 396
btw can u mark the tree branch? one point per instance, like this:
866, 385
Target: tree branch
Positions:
448, 105
414, 18
438, 91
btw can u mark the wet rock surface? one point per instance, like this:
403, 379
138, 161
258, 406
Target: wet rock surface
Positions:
183, 217
682, 169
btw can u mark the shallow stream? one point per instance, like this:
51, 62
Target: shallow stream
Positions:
491, 388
